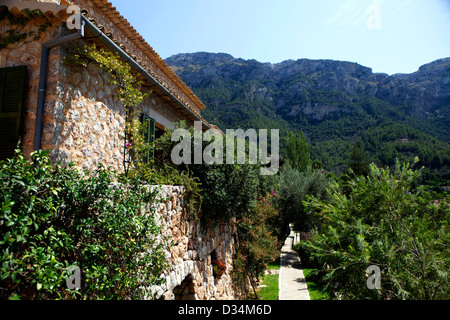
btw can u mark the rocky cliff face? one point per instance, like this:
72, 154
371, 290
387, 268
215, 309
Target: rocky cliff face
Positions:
425, 91
294, 87
335, 103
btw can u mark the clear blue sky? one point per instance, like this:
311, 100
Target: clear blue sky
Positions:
391, 36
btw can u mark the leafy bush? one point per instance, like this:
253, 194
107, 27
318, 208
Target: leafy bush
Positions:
385, 223
54, 217
223, 190
227, 190
298, 151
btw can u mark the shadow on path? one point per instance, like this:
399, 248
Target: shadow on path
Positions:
292, 284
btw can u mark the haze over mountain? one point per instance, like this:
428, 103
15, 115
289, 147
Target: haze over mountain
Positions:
334, 102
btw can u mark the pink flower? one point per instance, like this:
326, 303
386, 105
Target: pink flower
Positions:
128, 145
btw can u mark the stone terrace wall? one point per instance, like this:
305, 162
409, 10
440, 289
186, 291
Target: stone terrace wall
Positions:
191, 274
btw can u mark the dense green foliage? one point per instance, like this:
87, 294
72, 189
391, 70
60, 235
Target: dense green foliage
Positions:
54, 217
258, 245
358, 163
293, 188
226, 190
384, 221
385, 132
298, 151
230, 192
391, 141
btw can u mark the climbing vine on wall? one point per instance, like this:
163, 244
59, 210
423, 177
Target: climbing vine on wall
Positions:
127, 86
128, 89
11, 36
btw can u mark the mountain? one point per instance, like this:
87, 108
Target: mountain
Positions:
334, 102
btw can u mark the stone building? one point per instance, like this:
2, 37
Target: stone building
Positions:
71, 110
74, 112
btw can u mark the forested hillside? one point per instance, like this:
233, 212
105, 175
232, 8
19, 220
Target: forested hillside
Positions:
334, 103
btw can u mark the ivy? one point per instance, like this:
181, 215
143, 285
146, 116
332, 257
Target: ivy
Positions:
128, 90
12, 36
127, 86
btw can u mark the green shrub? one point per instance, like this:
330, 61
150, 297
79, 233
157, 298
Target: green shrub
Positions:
54, 217
257, 245
385, 223
225, 190
298, 151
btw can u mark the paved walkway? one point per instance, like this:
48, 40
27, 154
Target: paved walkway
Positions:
292, 285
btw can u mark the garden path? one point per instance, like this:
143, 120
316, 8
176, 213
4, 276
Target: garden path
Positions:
292, 283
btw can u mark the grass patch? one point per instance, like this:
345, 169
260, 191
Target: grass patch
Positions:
315, 288
270, 292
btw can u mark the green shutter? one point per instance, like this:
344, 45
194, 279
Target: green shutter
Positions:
149, 135
12, 93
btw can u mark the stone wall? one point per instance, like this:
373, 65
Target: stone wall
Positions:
190, 276
84, 122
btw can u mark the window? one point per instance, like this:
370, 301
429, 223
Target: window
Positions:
149, 135
12, 93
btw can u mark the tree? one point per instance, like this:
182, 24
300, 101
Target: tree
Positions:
358, 161
298, 151
294, 187
387, 223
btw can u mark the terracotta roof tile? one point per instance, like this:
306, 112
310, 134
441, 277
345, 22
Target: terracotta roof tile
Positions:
124, 25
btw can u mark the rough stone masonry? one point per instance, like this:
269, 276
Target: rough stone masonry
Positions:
190, 276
